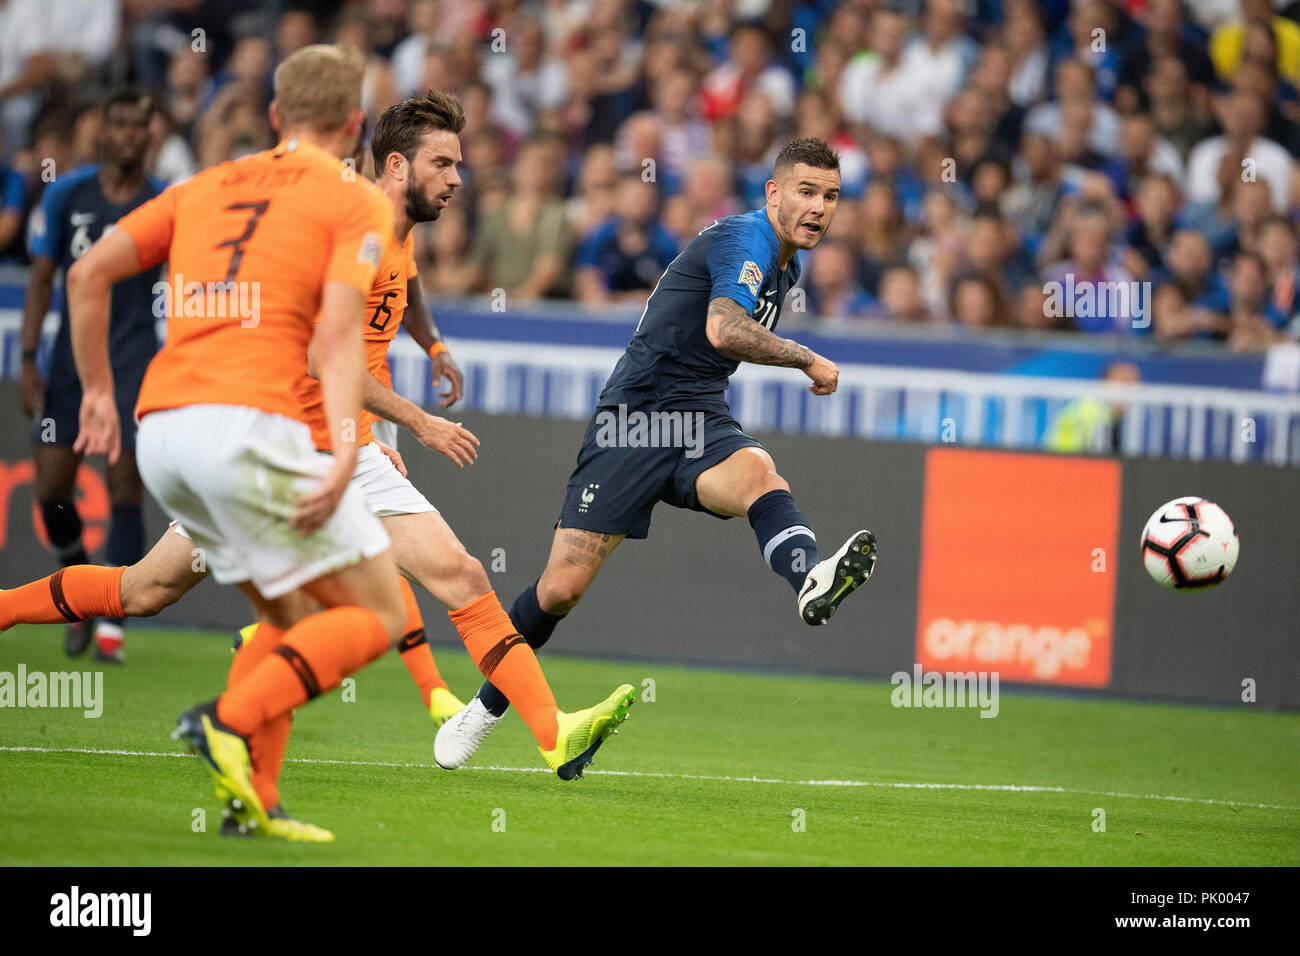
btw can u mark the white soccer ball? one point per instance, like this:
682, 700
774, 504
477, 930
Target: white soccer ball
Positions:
1189, 543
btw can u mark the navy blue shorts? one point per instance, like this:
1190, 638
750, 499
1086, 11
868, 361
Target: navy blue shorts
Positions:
60, 418
618, 479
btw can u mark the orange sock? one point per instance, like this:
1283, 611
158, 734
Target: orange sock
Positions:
75, 593
313, 656
266, 745
415, 650
508, 662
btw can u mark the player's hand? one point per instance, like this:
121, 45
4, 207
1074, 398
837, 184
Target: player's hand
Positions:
99, 431
444, 366
447, 438
315, 507
825, 375
31, 390
394, 457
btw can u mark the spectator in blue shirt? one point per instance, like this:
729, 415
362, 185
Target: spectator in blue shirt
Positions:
1190, 268
1251, 306
623, 258
1190, 263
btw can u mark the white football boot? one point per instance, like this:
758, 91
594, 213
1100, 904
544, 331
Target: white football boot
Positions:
462, 734
832, 580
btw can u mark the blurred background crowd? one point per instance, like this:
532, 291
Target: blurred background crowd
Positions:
988, 147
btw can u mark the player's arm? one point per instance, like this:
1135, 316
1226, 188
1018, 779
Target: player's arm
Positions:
419, 325
36, 305
44, 243
89, 288
733, 332
437, 434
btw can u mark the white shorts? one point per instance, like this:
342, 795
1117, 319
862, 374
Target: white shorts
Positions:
233, 476
387, 492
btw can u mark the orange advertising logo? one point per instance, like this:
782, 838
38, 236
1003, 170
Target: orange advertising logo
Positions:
91, 496
1011, 576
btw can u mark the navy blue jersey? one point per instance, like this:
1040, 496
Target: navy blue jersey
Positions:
72, 215
669, 364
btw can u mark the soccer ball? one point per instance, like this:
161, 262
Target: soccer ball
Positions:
1189, 543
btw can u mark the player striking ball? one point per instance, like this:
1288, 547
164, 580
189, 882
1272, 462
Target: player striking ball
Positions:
714, 307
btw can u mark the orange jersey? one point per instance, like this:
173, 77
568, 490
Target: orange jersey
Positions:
385, 303
251, 243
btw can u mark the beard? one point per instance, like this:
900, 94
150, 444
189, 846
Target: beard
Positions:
419, 208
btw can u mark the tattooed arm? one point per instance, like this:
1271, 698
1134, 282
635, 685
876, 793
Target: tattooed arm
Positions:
734, 333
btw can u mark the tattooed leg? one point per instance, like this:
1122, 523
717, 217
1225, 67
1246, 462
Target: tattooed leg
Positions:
576, 557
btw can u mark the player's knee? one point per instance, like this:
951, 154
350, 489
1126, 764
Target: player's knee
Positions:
766, 481
560, 593
771, 481
458, 578
470, 575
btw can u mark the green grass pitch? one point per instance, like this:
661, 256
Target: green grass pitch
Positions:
721, 768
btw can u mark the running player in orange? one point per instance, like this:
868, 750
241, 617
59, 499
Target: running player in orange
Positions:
170, 570
223, 440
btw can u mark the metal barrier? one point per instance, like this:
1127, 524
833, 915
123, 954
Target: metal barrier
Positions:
893, 403
1008, 395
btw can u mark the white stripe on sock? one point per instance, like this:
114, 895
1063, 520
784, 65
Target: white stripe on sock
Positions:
783, 536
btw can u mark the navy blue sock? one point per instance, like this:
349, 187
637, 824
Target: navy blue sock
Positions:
784, 536
536, 627
63, 527
125, 544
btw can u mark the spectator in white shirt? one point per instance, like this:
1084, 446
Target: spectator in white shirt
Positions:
883, 90
42, 39
1075, 82
1242, 115
525, 81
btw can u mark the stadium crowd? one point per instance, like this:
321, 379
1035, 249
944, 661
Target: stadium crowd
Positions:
989, 148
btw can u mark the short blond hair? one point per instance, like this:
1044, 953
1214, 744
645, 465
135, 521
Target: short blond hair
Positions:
319, 85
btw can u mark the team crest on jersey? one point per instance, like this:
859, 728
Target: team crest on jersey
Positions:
751, 277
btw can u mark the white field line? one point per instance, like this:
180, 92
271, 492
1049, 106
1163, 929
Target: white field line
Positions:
887, 785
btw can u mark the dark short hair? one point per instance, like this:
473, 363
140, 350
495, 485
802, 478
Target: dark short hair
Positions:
401, 126
809, 151
131, 96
